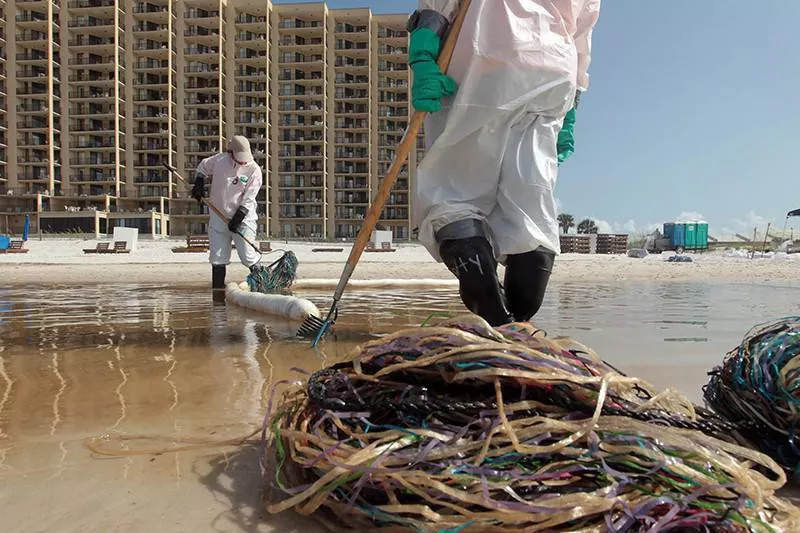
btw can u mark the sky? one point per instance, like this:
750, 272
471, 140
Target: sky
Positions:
692, 112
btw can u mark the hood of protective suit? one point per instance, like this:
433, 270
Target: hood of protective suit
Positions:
239, 146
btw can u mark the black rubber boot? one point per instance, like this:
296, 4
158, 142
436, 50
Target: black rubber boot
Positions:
472, 261
525, 283
218, 277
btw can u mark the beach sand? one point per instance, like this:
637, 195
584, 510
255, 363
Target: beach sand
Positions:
62, 261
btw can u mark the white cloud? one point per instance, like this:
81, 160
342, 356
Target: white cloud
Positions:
690, 216
630, 227
603, 226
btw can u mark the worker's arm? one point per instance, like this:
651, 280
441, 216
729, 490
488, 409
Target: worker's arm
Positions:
428, 25
248, 197
446, 8
253, 186
583, 40
204, 170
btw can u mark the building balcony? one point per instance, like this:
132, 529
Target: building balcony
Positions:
93, 162
150, 8
295, 24
97, 146
201, 87
96, 7
203, 17
91, 113
36, 38
203, 70
251, 73
151, 64
151, 180
152, 145
244, 19
102, 63
151, 96
97, 129
200, 34
29, 125
150, 29
150, 116
256, 39
28, 19
91, 22
31, 57
198, 101
95, 45
32, 73
28, 178
80, 179
95, 79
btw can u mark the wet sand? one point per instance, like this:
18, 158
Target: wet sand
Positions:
81, 362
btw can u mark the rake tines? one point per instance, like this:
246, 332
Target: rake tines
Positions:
310, 327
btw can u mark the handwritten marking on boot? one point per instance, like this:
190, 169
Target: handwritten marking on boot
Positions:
461, 265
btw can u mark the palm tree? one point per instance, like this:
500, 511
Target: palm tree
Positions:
587, 226
565, 222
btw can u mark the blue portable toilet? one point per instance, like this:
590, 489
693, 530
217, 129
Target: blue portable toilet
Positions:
679, 237
669, 231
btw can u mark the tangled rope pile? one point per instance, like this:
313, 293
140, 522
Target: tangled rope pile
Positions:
461, 427
277, 277
758, 388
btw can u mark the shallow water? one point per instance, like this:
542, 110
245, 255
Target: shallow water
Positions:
82, 362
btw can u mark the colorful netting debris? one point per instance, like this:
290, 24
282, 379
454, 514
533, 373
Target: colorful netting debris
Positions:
461, 427
277, 277
758, 388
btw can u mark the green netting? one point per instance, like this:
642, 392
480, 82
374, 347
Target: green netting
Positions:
277, 277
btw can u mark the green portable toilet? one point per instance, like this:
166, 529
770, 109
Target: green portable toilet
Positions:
691, 236
702, 235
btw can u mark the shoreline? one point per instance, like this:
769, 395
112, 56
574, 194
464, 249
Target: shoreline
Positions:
64, 263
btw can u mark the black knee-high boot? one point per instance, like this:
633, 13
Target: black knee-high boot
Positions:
472, 261
525, 283
217, 277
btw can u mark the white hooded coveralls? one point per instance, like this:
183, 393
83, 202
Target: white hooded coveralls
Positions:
491, 151
232, 185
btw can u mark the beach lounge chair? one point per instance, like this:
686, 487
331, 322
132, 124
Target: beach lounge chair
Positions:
101, 248
265, 246
16, 247
121, 247
194, 244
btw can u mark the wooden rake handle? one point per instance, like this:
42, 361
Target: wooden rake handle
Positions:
407, 144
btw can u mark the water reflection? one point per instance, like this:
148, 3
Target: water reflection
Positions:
81, 362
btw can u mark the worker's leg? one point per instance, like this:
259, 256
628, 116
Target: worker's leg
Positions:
525, 222
525, 283
457, 181
247, 254
467, 252
455, 191
219, 251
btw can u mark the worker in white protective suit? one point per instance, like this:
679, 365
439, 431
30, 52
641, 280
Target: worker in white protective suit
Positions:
484, 191
235, 181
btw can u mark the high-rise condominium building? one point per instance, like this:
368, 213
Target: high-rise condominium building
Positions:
98, 94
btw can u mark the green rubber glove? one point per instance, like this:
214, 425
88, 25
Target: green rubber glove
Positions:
566, 137
430, 84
